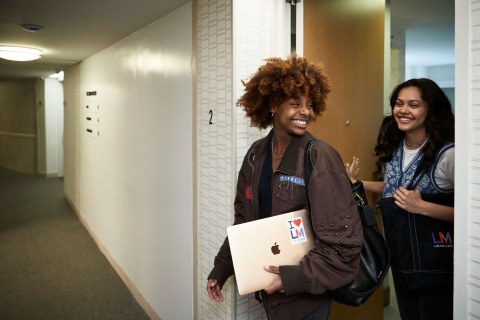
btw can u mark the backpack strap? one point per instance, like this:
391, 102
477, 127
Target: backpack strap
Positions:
308, 164
421, 170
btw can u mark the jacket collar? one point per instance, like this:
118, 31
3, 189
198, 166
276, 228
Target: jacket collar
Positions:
289, 161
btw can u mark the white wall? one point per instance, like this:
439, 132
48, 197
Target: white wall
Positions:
71, 146
467, 157
49, 101
136, 164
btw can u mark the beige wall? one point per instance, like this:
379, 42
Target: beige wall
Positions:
18, 128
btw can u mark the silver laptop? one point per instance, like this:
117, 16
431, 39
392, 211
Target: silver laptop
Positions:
279, 240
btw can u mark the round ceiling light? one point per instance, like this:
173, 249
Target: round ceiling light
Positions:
19, 53
31, 27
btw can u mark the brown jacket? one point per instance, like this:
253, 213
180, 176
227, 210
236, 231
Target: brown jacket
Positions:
334, 260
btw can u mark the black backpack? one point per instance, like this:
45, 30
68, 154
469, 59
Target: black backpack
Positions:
374, 257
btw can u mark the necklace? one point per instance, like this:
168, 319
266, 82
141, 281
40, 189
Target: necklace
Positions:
415, 146
279, 155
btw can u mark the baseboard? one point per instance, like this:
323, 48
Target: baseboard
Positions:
131, 287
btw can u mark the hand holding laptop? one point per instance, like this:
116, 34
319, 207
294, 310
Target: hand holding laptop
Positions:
276, 285
215, 293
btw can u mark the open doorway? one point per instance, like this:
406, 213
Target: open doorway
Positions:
422, 45
423, 42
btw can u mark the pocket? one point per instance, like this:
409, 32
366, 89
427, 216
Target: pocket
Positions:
290, 192
388, 210
396, 226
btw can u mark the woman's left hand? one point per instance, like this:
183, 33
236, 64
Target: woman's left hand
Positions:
352, 169
408, 200
276, 285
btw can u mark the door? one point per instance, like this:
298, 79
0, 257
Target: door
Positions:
347, 37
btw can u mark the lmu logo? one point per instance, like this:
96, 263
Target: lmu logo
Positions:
443, 240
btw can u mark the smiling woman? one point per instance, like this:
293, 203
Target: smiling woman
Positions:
416, 152
288, 94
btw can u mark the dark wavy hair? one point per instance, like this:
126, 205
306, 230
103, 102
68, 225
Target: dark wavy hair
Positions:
279, 80
439, 123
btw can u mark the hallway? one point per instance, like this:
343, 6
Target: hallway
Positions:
50, 266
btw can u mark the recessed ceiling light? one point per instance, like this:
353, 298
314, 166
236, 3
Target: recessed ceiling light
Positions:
31, 27
19, 53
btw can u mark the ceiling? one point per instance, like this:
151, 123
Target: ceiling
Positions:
429, 26
74, 30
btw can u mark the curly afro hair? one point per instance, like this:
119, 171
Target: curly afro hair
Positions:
279, 80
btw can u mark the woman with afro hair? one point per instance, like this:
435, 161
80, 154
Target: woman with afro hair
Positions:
287, 95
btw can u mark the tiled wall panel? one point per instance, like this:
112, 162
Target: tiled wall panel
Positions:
215, 154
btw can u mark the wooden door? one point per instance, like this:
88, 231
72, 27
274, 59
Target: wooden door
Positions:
347, 37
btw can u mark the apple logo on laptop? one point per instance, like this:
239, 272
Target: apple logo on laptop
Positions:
275, 249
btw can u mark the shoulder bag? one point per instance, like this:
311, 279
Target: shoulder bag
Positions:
421, 247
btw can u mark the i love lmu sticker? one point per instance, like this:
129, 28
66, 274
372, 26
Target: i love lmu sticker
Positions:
296, 230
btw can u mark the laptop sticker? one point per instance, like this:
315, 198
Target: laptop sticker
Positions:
296, 230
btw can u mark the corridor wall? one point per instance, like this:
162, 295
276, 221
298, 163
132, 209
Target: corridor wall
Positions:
128, 154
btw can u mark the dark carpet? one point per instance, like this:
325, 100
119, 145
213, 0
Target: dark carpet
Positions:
50, 267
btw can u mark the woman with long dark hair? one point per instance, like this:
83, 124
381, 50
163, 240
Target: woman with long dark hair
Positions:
418, 134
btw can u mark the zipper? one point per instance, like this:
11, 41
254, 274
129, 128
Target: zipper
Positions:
252, 164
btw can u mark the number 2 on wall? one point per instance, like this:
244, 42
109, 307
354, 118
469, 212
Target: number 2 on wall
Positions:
211, 116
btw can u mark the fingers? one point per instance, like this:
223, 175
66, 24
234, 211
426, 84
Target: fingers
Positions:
407, 199
272, 269
276, 285
355, 162
214, 291
399, 196
353, 168
401, 193
270, 289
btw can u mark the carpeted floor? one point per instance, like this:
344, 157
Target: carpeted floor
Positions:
50, 268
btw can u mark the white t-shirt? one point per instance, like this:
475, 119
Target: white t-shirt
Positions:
444, 173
